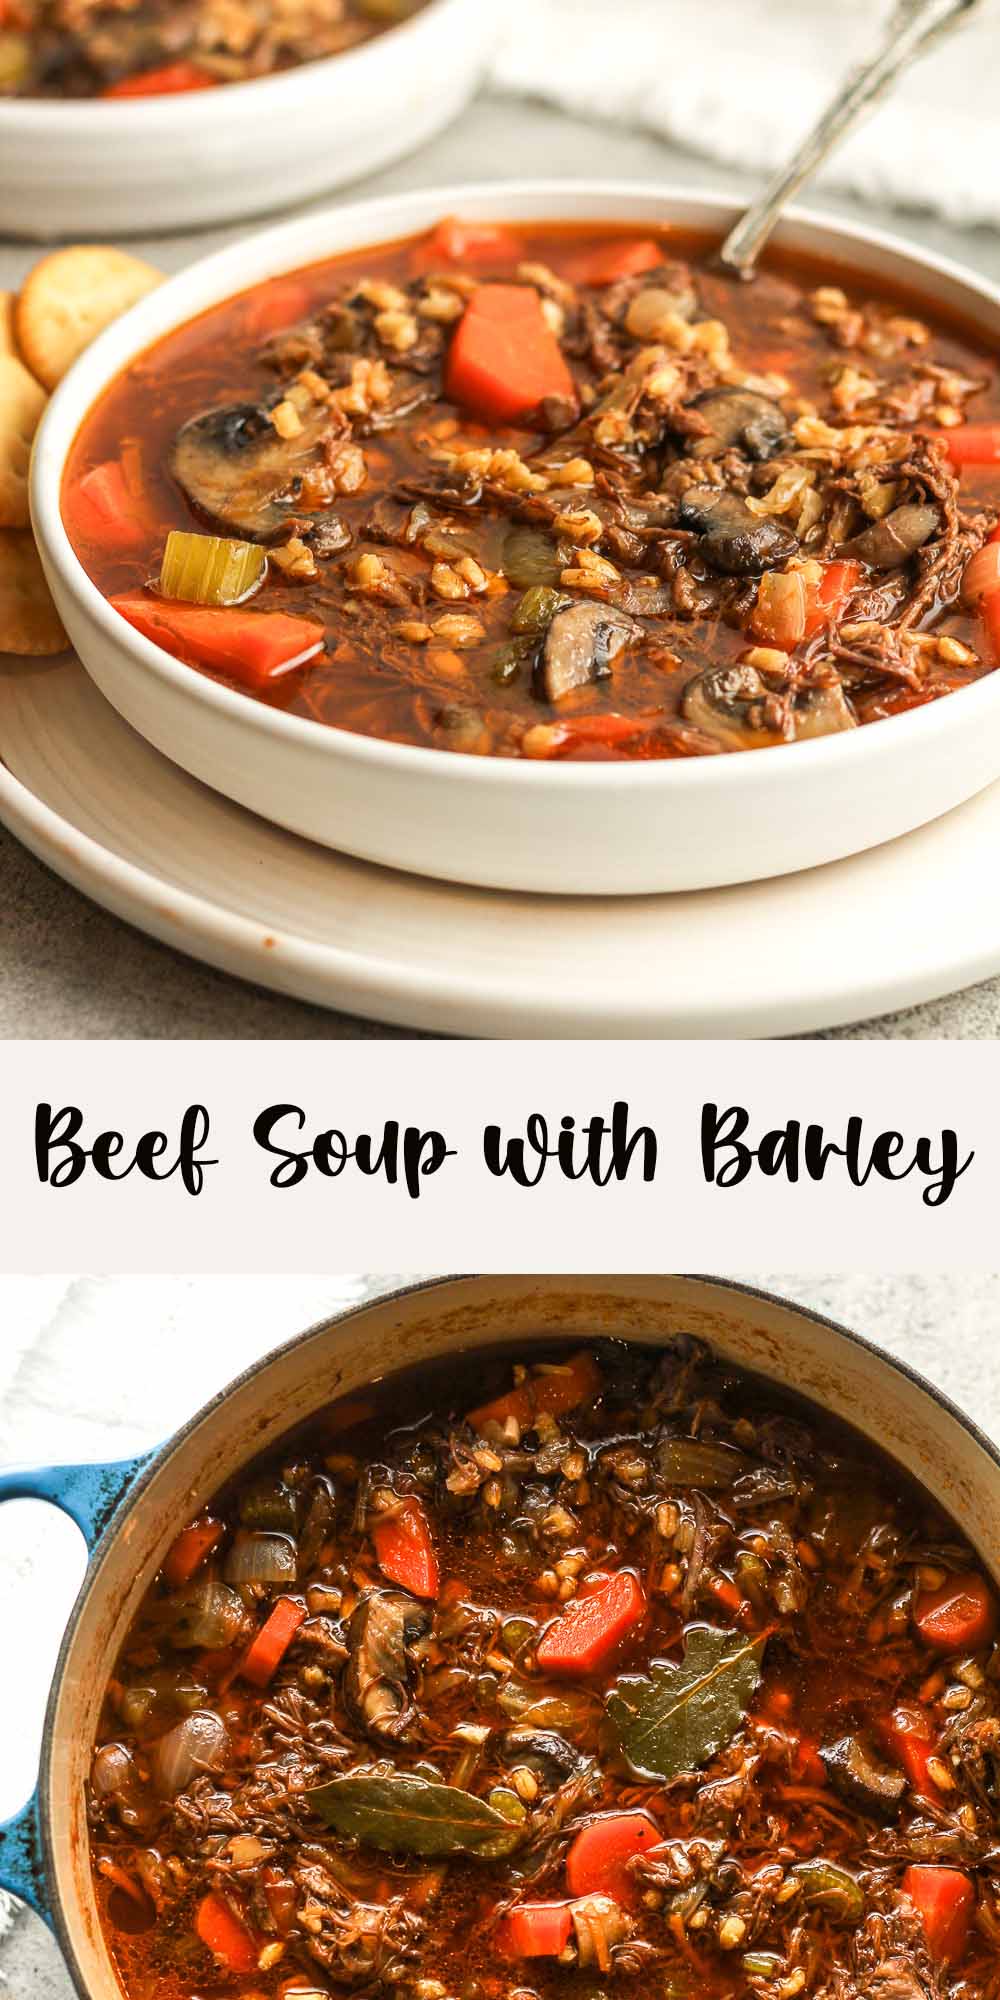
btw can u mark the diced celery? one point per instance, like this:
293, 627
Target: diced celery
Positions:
510, 659
537, 608
15, 58
206, 569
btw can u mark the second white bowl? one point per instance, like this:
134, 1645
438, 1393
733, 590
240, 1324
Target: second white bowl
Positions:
87, 167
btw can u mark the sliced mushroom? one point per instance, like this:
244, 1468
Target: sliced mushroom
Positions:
319, 1517
861, 1778
727, 703
384, 1625
544, 1752
739, 419
735, 540
113, 1772
580, 645
897, 537
235, 469
821, 711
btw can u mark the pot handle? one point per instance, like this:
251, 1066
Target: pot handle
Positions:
89, 1494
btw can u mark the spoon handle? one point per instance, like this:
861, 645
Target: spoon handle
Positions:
914, 24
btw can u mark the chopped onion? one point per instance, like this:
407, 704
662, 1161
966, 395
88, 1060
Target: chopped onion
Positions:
599, 1924
982, 573
258, 1557
112, 1771
207, 1617
779, 615
165, 1691
199, 1743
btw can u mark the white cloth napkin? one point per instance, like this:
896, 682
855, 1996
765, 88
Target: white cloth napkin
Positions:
742, 80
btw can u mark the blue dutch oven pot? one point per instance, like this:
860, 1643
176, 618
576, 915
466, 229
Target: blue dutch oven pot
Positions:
130, 1512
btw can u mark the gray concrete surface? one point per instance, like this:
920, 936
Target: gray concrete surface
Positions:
943, 1325
69, 969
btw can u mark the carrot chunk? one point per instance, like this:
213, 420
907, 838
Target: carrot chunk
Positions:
277, 305
251, 647
910, 1736
945, 1898
192, 1547
226, 1935
103, 509
458, 242
958, 1618
267, 1651
971, 444
592, 1625
167, 81
504, 358
551, 1391
619, 260
535, 1930
405, 1550
597, 1862
827, 598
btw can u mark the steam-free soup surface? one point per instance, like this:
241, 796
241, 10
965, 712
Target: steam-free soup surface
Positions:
557, 492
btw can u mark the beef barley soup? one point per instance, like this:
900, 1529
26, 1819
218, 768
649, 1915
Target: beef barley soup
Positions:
157, 48
616, 1672
557, 492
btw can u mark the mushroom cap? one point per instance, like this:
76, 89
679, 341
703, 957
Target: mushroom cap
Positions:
735, 540
897, 537
580, 644
235, 468
740, 419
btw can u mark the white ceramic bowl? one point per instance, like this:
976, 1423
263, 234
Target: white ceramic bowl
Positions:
574, 828
44, 1854
93, 168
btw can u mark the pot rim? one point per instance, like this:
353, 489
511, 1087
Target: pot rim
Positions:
159, 1458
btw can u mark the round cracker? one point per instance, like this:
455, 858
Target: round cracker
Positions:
22, 401
29, 621
8, 344
69, 298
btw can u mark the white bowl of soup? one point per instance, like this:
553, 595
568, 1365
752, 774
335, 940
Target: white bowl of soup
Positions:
563, 563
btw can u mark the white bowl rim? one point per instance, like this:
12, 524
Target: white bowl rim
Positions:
114, 350
47, 118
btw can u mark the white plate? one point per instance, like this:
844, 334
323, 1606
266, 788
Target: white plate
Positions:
903, 923
87, 168
564, 827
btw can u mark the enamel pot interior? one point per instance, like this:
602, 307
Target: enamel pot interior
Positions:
792, 1346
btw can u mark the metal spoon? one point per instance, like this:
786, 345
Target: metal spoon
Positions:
914, 25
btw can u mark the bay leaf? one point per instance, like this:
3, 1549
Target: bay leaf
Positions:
405, 1814
681, 1713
